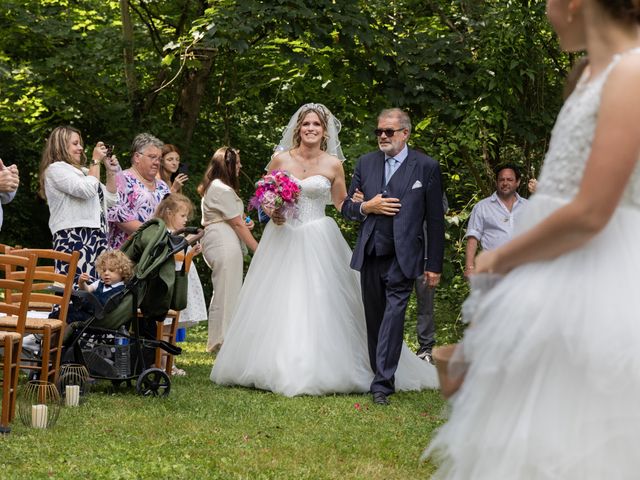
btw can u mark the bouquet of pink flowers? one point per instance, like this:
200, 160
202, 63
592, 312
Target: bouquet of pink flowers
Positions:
276, 191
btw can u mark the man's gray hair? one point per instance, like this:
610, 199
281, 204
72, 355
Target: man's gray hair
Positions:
142, 141
405, 121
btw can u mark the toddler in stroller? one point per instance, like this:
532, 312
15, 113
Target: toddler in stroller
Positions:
103, 342
114, 269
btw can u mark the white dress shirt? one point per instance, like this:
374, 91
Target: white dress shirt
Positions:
492, 223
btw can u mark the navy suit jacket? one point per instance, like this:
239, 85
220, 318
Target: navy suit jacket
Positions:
420, 194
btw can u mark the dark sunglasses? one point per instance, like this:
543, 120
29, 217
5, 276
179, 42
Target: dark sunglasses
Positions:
389, 132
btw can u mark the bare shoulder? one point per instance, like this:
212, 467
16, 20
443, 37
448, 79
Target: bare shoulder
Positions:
331, 161
621, 92
630, 60
334, 165
625, 75
279, 161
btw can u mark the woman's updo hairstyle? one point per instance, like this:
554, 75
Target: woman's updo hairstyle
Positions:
623, 9
223, 167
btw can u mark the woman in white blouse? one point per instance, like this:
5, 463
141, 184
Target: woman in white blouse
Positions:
226, 237
77, 200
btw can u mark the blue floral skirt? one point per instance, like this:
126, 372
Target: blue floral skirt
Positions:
90, 242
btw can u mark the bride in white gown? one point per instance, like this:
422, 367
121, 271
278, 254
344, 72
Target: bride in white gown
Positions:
553, 384
299, 325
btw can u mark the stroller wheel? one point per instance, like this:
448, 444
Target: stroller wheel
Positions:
153, 382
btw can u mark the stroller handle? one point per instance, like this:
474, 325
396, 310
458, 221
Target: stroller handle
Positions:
194, 234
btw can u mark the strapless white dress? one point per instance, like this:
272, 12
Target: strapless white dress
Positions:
553, 389
299, 324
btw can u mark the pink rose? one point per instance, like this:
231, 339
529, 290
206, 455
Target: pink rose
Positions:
286, 194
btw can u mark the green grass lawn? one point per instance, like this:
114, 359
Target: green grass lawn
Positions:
202, 430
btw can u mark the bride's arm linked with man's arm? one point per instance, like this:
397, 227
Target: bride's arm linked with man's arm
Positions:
356, 207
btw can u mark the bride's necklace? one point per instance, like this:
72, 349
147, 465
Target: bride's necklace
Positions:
313, 161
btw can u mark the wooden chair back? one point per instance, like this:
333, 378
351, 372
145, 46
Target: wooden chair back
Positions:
17, 282
168, 332
187, 258
11, 341
45, 276
4, 248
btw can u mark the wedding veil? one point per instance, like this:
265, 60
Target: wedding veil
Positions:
333, 128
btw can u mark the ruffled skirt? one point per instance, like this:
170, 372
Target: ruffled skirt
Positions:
553, 387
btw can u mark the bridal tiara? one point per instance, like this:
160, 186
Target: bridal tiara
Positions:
317, 107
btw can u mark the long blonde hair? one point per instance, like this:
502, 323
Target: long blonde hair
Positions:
56, 150
172, 204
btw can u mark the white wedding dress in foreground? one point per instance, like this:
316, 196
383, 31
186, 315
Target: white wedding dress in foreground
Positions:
299, 325
553, 390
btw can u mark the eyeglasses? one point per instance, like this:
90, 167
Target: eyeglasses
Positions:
389, 132
152, 157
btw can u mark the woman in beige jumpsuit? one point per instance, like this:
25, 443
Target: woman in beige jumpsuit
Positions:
225, 240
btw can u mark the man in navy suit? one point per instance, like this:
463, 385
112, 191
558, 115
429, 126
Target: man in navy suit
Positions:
402, 190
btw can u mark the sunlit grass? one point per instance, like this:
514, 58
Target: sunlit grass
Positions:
202, 430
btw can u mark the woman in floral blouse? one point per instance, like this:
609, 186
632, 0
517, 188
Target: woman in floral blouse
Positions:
139, 191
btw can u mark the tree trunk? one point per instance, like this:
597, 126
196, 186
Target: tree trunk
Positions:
187, 109
127, 41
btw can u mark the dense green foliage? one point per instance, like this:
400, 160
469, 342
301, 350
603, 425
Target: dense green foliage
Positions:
481, 80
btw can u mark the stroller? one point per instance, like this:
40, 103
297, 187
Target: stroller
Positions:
112, 343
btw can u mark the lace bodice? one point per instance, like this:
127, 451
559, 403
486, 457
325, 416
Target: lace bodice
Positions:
571, 141
315, 194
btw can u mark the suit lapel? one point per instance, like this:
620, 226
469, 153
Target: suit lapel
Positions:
377, 173
407, 174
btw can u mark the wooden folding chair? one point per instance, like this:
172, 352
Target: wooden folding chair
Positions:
11, 341
167, 331
43, 299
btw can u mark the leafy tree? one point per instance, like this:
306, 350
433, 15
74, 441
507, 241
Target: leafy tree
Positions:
481, 81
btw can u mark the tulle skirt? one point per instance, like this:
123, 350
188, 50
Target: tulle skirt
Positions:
553, 387
299, 324
196, 309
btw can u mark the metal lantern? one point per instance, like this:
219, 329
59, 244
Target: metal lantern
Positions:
39, 404
73, 383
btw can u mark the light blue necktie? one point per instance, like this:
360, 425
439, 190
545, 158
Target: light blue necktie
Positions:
390, 168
